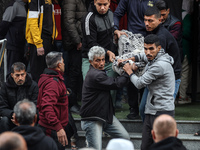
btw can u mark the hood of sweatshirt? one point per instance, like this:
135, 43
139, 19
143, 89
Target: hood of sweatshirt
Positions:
32, 135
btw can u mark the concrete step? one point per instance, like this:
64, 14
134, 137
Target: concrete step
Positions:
185, 127
134, 127
190, 141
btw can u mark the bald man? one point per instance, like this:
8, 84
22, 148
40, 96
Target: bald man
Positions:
12, 141
165, 134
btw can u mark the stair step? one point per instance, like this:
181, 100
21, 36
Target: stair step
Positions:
134, 128
185, 127
190, 141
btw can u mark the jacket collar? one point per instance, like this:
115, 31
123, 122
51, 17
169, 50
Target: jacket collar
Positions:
54, 72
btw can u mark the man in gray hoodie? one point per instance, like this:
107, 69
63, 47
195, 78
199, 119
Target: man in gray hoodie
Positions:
159, 79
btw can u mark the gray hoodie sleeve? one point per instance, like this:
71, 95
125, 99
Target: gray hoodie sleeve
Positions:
141, 57
151, 74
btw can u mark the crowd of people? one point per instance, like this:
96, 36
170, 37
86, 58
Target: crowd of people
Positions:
68, 47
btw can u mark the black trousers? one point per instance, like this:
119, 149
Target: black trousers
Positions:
133, 97
74, 75
38, 63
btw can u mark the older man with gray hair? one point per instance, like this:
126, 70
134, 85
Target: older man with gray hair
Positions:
52, 101
25, 117
97, 112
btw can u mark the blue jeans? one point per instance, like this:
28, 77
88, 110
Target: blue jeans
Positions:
144, 98
177, 84
94, 131
143, 103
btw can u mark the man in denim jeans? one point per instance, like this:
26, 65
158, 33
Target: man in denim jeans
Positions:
97, 113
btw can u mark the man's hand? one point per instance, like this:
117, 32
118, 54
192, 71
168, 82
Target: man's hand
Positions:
13, 120
119, 33
79, 46
62, 138
111, 56
134, 67
40, 51
128, 69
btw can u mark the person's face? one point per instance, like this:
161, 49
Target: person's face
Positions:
62, 65
151, 22
98, 62
151, 50
164, 14
102, 6
19, 77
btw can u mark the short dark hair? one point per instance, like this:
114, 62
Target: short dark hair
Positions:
152, 39
161, 5
25, 112
18, 66
153, 11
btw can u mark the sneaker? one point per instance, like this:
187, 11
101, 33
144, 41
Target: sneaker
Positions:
186, 100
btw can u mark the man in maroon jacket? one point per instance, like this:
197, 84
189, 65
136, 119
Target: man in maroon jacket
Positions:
52, 101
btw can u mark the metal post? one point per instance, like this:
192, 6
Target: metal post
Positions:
3, 54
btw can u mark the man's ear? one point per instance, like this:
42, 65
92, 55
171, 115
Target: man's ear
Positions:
35, 119
160, 19
14, 118
168, 10
153, 135
159, 47
177, 131
90, 61
59, 65
11, 75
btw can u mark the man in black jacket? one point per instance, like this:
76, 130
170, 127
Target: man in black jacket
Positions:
25, 117
98, 27
165, 134
18, 86
97, 112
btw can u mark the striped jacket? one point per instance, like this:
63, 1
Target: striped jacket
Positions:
40, 22
98, 30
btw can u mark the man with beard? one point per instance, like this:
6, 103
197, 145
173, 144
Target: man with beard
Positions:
19, 85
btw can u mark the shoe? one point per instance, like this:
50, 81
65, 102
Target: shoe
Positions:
75, 109
133, 115
186, 100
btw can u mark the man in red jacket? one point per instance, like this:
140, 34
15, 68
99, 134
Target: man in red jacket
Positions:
52, 101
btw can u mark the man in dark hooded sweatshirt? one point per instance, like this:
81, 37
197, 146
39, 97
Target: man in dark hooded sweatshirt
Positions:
25, 117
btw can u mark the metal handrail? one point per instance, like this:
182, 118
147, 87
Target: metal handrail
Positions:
3, 54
